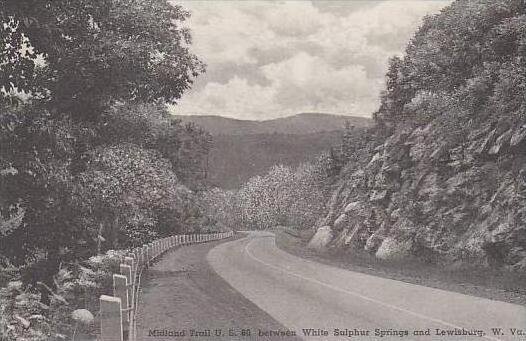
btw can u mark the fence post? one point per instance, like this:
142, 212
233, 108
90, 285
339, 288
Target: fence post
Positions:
110, 318
147, 255
120, 290
140, 258
127, 269
129, 273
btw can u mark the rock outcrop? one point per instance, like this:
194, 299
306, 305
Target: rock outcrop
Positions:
444, 177
321, 238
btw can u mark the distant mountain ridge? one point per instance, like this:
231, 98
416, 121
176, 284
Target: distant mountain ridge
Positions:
305, 123
244, 148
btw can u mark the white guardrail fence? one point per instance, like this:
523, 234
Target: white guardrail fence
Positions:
117, 312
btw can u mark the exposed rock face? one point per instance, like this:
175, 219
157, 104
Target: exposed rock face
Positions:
321, 239
391, 249
469, 207
445, 180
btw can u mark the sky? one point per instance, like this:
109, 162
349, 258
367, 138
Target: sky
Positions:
269, 59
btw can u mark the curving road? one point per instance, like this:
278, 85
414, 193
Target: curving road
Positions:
304, 295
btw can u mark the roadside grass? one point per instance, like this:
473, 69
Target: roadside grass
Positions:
489, 283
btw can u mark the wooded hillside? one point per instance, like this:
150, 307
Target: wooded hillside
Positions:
242, 149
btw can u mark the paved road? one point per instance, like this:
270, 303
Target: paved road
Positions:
182, 295
302, 294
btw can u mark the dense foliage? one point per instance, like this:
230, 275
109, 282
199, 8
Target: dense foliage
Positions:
90, 160
79, 56
282, 196
444, 177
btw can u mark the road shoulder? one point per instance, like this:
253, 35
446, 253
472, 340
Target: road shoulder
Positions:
182, 296
506, 287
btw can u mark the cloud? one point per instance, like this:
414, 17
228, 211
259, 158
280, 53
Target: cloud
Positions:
269, 59
307, 83
236, 98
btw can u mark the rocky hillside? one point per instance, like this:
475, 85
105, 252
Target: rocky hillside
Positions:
443, 177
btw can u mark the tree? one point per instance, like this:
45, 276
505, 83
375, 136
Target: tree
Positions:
80, 56
186, 146
36, 190
282, 196
80, 64
126, 190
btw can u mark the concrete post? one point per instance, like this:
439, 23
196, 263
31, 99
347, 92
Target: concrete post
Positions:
146, 255
120, 290
110, 318
130, 262
128, 269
